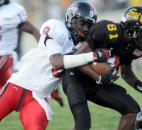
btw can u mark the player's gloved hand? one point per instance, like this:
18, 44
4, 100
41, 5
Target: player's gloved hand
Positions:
138, 86
102, 55
108, 77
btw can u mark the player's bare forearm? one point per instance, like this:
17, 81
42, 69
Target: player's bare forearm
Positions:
86, 69
29, 28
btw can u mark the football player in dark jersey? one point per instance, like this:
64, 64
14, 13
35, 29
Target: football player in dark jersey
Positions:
125, 39
131, 25
120, 38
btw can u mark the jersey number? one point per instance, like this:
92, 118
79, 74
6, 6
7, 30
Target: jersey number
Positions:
112, 28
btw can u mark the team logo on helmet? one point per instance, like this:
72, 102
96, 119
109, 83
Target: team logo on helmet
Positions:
133, 14
140, 19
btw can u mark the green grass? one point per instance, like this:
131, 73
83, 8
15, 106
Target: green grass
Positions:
102, 118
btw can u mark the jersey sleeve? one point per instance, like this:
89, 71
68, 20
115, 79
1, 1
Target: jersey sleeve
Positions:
54, 29
22, 14
53, 47
16, 16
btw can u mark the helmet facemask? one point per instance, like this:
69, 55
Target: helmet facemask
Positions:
80, 27
132, 27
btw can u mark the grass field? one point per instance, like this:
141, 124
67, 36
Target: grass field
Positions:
102, 118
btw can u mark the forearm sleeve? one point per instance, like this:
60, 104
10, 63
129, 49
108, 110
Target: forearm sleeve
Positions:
71, 61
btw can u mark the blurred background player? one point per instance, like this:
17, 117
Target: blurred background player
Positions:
13, 18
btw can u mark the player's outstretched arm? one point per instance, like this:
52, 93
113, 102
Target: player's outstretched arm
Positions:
29, 28
72, 61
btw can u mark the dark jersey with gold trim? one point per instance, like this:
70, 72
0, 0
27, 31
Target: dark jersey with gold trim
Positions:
107, 34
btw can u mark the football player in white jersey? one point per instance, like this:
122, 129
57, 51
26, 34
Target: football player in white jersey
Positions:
42, 67
13, 17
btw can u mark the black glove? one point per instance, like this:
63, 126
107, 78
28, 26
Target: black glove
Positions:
108, 77
102, 55
138, 86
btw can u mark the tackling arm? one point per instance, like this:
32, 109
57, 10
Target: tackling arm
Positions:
71, 61
60, 61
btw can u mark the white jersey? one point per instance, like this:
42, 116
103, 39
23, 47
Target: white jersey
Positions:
35, 73
11, 15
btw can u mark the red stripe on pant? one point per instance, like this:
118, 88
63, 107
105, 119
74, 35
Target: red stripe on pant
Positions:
5, 70
32, 115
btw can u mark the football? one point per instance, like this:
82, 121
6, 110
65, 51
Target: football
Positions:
101, 68
104, 67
